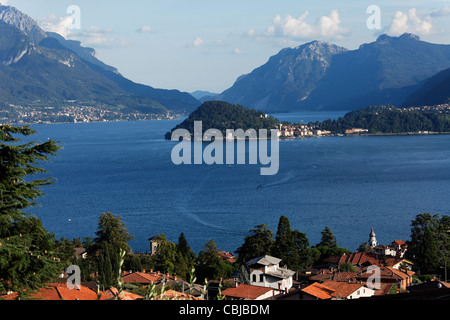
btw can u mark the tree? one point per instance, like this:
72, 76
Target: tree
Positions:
302, 246
210, 265
346, 267
27, 260
112, 230
328, 239
284, 246
258, 244
430, 238
185, 250
428, 258
112, 238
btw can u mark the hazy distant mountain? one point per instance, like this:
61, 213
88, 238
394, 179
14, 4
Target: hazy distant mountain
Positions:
436, 90
203, 95
322, 76
44, 68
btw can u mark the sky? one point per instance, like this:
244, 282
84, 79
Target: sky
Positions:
206, 45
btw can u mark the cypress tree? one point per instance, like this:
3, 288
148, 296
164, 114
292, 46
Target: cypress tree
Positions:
285, 247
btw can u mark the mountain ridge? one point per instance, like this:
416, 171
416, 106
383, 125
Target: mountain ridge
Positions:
385, 71
46, 68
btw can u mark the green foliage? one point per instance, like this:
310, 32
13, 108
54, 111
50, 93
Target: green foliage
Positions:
430, 239
285, 247
259, 243
112, 230
210, 265
27, 259
388, 119
328, 239
346, 267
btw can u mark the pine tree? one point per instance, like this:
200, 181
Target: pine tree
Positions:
328, 239
26, 258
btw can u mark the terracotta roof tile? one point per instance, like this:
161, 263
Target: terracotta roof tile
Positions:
60, 291
140, 277
342, 289
175, 295
245, 291
319, 291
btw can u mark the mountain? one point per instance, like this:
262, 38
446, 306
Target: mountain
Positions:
200, 95
323, 76
434, 91
40, 68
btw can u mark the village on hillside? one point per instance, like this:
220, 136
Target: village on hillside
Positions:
379, 273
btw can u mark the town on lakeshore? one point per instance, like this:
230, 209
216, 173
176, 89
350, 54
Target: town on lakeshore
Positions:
263, 268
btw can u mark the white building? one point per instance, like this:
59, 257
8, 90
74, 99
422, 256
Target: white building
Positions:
266, 272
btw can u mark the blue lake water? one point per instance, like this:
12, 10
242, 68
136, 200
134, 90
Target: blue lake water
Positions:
349, 184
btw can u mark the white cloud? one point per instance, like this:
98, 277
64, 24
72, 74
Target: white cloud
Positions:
201, 43
442, 12
91, 36
236, 51
99, 38
298, 28
58, 25
410, 22
145, 29
198, 42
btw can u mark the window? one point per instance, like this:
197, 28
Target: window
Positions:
261, 278
254, 278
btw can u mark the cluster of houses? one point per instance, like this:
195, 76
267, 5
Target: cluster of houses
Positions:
305, 131
374, 274
299, 131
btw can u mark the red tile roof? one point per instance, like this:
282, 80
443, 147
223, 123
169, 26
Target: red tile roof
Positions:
319, 291
175, 295
60, 291
246, 291
124, 295
142, 278
361, 258
342, 289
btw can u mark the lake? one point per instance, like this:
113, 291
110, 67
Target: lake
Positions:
349, 184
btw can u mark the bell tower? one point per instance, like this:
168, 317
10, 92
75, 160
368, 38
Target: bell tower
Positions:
372, 239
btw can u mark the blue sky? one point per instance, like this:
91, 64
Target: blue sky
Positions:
206, 44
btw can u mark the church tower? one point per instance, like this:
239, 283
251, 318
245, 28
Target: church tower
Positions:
372, 239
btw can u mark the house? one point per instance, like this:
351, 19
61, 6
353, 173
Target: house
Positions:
388, 275
60, 291
81, 253
124, 295
335, 290
142, 278
265, 271
175, 295
347, 291
317, 291
227, 256
361, 259
248, 292
396, 249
